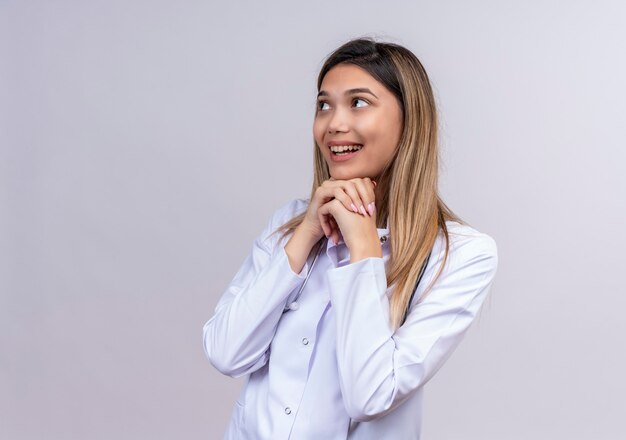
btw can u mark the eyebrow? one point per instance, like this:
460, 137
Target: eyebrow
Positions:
350, 92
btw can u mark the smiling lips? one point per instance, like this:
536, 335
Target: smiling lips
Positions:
342, 150
339, 149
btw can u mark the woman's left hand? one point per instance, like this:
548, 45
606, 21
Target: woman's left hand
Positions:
358, 229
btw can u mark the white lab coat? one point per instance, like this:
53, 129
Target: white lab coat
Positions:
331, 367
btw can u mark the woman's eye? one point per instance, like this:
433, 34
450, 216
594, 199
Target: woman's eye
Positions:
320, 104
359, 99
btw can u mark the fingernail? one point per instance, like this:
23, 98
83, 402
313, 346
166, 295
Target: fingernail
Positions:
370, 208
354, 208
374, 182
363, 210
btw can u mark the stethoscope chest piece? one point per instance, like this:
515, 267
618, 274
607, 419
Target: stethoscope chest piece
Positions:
294, 306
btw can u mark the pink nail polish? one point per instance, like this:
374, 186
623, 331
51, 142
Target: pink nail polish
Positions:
363, 210
370, 208
354, 208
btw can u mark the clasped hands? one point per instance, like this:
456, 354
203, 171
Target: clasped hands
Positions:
346, 209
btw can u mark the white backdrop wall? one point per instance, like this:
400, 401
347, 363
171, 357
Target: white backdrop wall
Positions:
144, 144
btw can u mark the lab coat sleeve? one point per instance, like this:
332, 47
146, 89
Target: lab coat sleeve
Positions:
238, 335
378, 368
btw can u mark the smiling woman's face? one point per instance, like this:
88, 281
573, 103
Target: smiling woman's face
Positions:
370, 117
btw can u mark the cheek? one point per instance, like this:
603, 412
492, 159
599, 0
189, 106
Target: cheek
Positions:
320, 147
323, 151
318, 134
372, 134
382, 136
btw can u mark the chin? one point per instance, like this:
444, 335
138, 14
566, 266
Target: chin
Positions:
343, 175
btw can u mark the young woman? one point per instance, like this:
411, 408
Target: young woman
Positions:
324, 317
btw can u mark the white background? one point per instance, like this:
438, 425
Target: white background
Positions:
144, 144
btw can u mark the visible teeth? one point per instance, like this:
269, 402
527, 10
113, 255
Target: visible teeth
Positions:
341, 148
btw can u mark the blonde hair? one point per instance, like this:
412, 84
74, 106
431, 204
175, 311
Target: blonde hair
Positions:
411, 202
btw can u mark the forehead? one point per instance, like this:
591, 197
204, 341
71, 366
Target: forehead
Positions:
345, 76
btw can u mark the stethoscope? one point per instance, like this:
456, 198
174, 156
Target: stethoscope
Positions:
293, 305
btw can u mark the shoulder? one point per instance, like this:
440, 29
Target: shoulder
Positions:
465, 235
468, 247
287, 211
279, 217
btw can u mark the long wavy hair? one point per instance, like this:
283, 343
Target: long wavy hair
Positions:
410, 200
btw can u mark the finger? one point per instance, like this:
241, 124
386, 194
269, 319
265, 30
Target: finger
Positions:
326, 213
365, 189
351, 201
366, 186
333, 223
328, 191
346, 199
326, 226
324, 192
337, 190
356, 200
334, 229
323, 220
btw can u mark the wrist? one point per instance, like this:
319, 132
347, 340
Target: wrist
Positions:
305, 235
366, 250
298, 248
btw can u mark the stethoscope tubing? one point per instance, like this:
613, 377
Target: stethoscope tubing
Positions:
290, 306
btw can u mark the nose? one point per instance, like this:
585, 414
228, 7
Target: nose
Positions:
338, 122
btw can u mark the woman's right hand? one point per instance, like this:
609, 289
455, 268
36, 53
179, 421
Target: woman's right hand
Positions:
353, 194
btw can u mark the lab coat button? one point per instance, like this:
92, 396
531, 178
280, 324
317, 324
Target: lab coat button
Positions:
383, 239
294, 306
287, 410
305, 341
